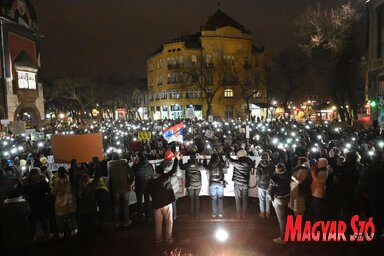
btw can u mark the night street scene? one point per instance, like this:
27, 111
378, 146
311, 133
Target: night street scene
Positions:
192, 128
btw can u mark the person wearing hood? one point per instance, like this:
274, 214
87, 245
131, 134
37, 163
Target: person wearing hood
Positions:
35, 189
264, 172
65, 201
143, 171
241, 172
193, 183
166, 165
278, 190
163, 195
120, 181
299, 188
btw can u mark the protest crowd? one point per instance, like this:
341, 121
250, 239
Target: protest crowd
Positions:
323, 171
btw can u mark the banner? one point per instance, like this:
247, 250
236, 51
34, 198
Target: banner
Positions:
82, 147
144, 136
174, 133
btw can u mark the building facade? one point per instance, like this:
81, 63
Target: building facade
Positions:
213, 72
21, 93
375, 59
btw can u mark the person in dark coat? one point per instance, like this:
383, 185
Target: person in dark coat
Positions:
7, 184
143, 171
241, 172
163, 195
216, 169
87, 204
264, 173
278, 190
193, 183
14, 224
35, 188
166, 165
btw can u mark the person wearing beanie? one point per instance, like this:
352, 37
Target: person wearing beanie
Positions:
278, 190
241, 172
300, 187
162, 193
264, 172
166, 166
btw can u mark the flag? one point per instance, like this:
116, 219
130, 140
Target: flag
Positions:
174, 133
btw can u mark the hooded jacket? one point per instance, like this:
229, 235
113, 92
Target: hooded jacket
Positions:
160, 188
119, 175
65, 202
192, 173
264, 173
241, 169
36, 191
143, 173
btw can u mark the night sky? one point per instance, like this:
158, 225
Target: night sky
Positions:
109, 37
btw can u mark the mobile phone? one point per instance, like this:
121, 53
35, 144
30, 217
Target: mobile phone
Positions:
9, 162
177, 148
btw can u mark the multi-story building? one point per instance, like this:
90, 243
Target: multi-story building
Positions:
21, 94
375, 59
218, 68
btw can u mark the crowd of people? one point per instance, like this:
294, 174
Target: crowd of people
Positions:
321, 171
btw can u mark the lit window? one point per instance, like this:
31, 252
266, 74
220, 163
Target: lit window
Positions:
228, 93
193, 58
26, 80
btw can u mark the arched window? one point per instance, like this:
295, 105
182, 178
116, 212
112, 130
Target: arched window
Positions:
228, 93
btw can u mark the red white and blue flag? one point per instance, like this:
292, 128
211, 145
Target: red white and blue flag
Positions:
174, 133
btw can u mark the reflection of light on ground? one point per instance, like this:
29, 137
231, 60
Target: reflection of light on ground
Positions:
221, 235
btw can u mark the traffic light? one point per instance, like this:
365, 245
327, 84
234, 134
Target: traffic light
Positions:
372, 103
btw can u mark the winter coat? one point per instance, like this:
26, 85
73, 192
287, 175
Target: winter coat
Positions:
36, 191
143, 173
14, 223
167, 165
86, 198
279, 185
65, 202
241, 169
216, 172
120, 176
160, 188
264, 173
297, 199
192, 173
319, 180
7, 184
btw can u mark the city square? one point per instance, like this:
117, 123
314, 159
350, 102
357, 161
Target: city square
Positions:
191, 127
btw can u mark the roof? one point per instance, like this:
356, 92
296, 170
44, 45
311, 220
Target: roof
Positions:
191, 41
220, 19
23, 61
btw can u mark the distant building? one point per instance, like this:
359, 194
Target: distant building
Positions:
21, 93
220, 62
375, 59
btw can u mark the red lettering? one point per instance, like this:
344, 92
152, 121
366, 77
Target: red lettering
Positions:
307, 232
293, 229
353, 237
342, 227
315, 233
332, 232
324, 229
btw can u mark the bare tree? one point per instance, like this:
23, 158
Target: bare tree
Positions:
330, 34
